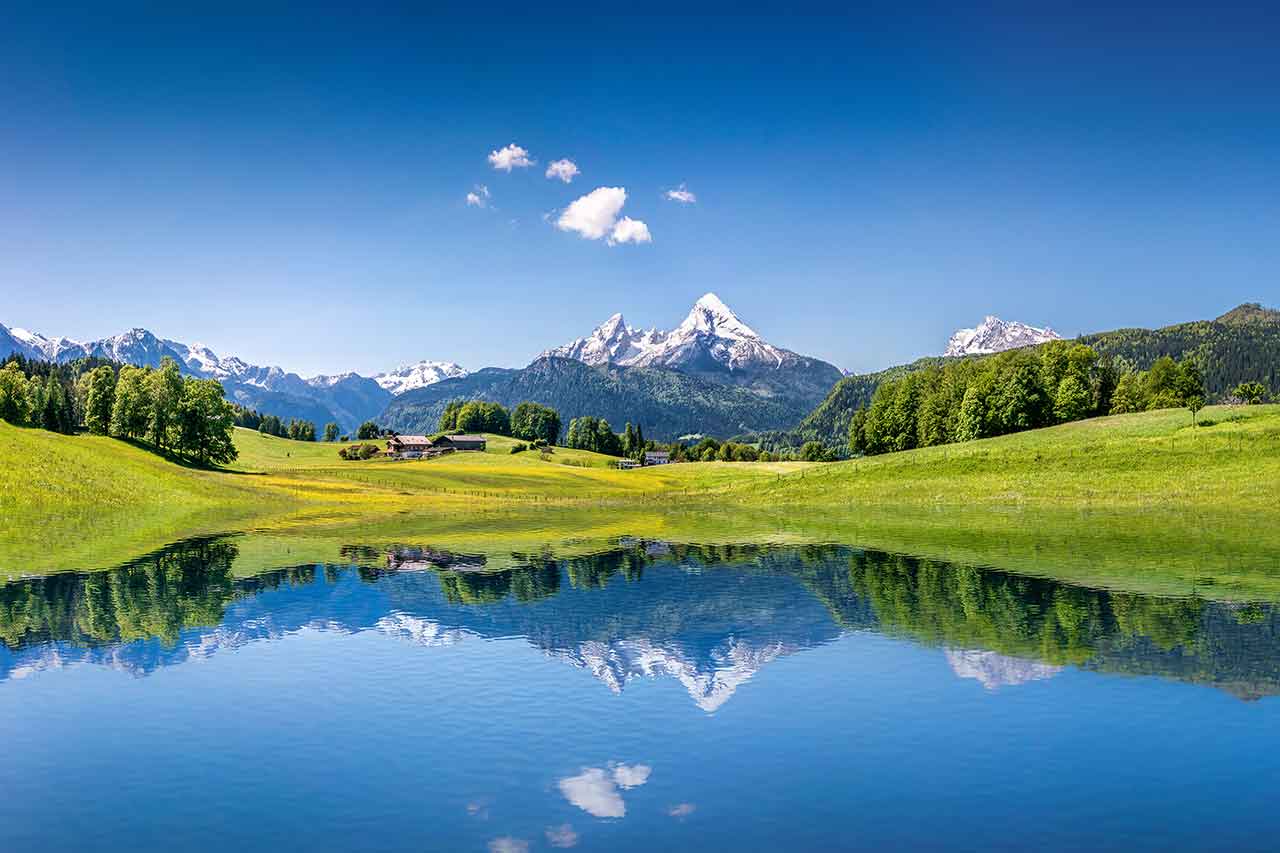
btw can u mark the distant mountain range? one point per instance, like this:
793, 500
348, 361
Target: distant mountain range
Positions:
347, 399
996, 335
712, 374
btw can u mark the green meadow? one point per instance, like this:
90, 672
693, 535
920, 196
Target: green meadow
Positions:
1144, 502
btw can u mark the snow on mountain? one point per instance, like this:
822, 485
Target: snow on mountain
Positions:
996, 335
347, 398
418, 375
141, 347
711, 334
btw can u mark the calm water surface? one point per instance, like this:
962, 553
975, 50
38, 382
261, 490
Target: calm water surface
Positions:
651, 696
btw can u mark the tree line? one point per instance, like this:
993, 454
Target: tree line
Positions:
1013, 391
176, 414
541, 425
528, 421
295, 428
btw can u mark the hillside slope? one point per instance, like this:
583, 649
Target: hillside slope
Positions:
1241, 345
1142, 499
666, 403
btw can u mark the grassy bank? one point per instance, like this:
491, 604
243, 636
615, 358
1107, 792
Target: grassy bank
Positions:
1137, 500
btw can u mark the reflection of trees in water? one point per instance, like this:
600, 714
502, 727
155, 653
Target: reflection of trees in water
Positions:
941, 603
182, 586
1235, 647
186, 585
524, 584
190, 585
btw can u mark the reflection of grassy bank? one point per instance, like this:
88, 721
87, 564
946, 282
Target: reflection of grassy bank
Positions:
1137, 502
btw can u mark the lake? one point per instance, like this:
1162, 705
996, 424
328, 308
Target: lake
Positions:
212, 696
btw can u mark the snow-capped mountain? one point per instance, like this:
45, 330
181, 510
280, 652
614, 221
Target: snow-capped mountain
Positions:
712, 344
712, 334
418, 375
347, 398
996, 335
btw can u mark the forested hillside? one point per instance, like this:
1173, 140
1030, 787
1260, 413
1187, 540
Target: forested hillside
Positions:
666, 403
1242, 345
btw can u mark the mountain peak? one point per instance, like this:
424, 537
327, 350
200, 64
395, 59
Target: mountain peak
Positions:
996, 335
710, 338
418, 375
1250, 313
710, 315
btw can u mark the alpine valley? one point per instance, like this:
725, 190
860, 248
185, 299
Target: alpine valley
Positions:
712, 374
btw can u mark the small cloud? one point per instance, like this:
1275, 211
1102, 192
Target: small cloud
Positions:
682, 810
628, 230
507, 844
566, 170
510, 157
562, 836
594, 214
680, 194
478, 197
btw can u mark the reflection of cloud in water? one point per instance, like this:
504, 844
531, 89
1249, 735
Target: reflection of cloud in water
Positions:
995, 670
595, 789
632, 776
682, 810
507, 844
562, 836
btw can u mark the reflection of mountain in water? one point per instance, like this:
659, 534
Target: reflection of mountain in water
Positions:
708, 617
994, 670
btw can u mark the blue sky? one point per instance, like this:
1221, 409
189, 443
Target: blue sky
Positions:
290, 186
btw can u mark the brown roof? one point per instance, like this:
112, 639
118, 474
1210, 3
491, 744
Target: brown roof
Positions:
411, 439
465, 437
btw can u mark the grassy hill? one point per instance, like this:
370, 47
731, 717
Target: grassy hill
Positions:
1135, 499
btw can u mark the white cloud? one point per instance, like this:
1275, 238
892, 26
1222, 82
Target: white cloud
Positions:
565, 170
510, 157
628, 230
478, 197
681, 810
594, 214
562, 836
680, 194
507, 844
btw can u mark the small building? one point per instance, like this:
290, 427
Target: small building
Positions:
400, 445
656, 457
459, 442
627, 464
